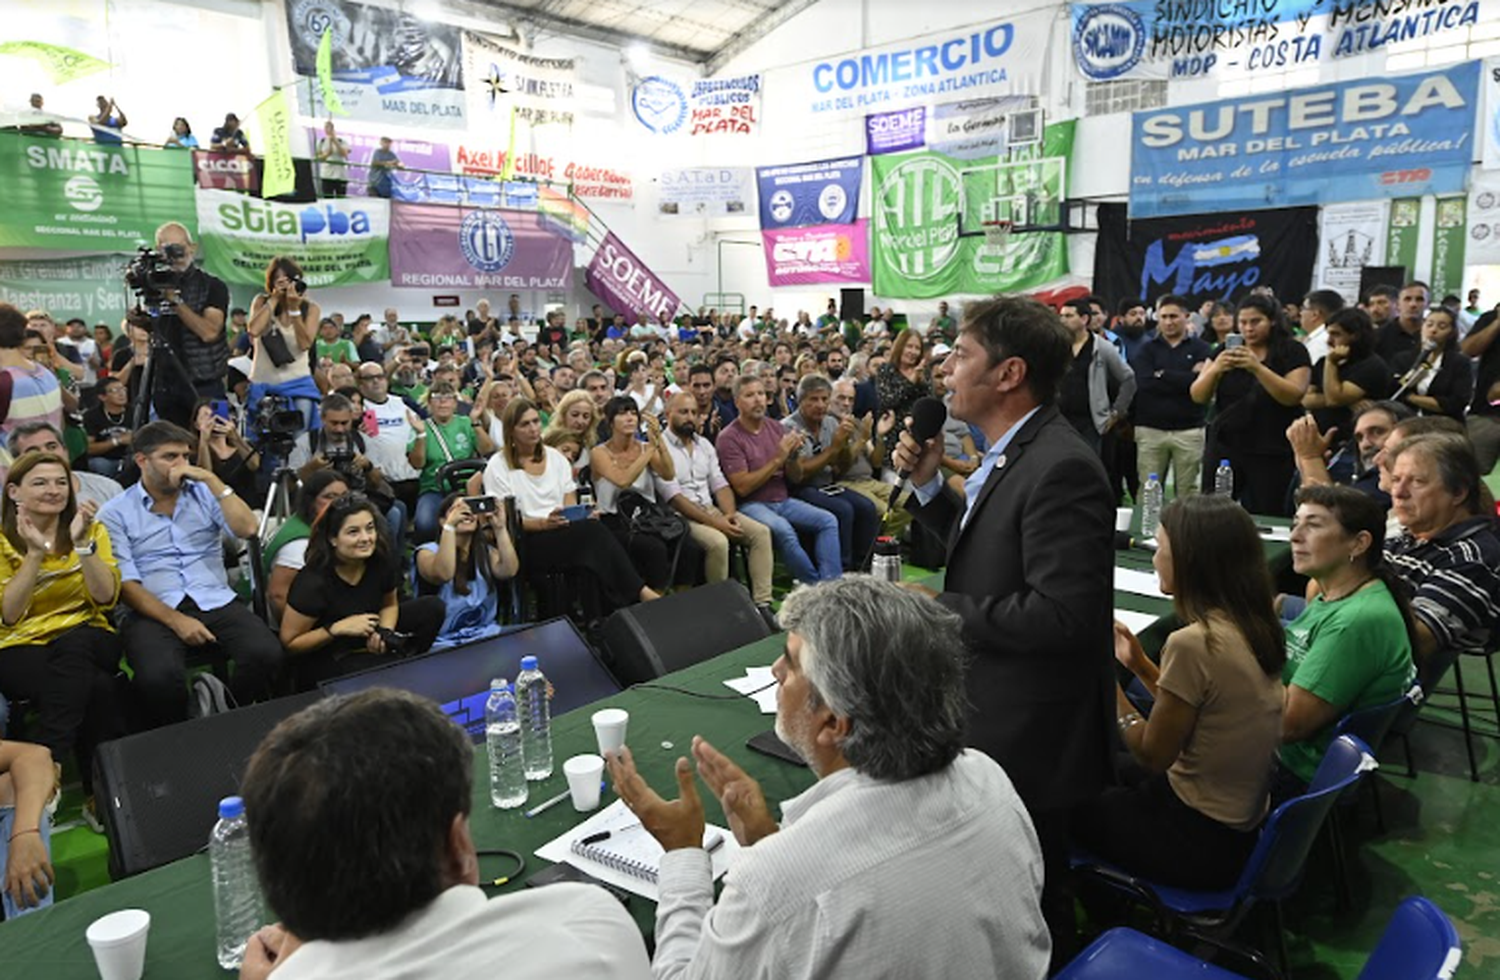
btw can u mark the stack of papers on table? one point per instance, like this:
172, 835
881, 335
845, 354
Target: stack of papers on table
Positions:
1141, 583
1134, 621
759, 685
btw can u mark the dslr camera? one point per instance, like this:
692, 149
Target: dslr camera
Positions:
151, 273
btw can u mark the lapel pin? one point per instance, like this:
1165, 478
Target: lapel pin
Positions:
1000, 463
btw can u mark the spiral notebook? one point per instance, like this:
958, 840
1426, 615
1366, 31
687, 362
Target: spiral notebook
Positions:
630, 857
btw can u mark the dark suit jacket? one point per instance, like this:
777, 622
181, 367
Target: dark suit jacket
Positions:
1032, 575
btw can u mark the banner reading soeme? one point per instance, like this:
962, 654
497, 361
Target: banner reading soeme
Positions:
624, 283
474, 248
336, 242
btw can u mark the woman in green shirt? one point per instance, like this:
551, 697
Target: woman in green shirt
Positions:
1351, 648
447, 436
286, 552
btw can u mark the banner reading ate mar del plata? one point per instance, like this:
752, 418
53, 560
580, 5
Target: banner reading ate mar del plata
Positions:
625, 285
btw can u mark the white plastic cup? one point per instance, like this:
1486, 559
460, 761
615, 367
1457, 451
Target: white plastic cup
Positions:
119, 943
584, 774
1123, 517
609, 729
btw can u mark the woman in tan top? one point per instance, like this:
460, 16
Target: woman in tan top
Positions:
1196, 787
283, 326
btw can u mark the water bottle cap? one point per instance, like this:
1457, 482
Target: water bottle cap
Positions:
499, 684
231, 807
1152, 476
1223, 462
528, 663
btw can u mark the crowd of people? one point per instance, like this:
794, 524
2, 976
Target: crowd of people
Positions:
425, 469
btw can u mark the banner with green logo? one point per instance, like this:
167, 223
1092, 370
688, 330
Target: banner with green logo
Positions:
278, 175
922, 199
91, 287
64, 194
1401, 234
1448, 247
335, 241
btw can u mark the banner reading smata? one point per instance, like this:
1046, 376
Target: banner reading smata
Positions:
336, 241
705, 192
1203, 39
92, 287
66, 194
920, 201
819, 193
1351, 235
624, 284
1347, 141
388, 66
1218, 257
475, 248
818, 254
669, 106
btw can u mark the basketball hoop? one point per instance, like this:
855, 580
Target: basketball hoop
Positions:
997, 233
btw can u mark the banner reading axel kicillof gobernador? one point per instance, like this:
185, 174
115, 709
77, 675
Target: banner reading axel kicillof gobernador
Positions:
336, 242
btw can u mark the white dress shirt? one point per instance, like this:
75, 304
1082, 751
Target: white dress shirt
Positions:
939, 876
698, 474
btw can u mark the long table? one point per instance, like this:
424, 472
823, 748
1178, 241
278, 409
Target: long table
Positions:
664, 717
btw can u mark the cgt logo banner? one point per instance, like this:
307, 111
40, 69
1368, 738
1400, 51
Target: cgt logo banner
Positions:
818, 254
226, 171
1348, 141
624, 284
88, 196
1205, 257
337, 242
820, 193
697, 107
476, 248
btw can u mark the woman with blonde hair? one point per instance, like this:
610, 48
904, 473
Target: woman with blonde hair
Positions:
575, 414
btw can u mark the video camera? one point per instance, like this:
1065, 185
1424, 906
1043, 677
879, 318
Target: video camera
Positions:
150, 274
277, 424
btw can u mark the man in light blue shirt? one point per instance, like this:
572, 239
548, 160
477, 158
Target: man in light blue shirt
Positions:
167, 533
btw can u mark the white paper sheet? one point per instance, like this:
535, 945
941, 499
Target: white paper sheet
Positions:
1269, 533
1140, 583
1135, 621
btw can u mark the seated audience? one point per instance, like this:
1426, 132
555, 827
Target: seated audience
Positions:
464, 567
443, 438
1351, 647
223, 451
28, 781
1483, 420
43, 437
898, 798
286, 552
166, 532
343, 604
36, 395
1438, 379
577, 414
357, 893
757, 455
869, 453
1372, 428
339, 445
1195, 788
1350, 374
541, 480
58, 581
828, 450
107, 425
623, 466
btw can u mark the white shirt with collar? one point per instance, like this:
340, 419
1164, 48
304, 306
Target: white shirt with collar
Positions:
699, 476
939, 876
1317, 344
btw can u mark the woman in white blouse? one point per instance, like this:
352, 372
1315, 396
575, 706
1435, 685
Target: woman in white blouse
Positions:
284, 325
541, 480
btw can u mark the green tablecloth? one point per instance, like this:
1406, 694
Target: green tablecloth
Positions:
662, 723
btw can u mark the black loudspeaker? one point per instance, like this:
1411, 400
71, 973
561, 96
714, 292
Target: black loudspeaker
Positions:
1379, 275
158, 792
650, 639
851, 304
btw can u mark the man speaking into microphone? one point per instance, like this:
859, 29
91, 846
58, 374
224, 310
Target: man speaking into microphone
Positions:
1030, 571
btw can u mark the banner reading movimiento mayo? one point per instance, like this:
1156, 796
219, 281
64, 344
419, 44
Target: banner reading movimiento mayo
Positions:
473, 248
1346, 141
90, 196
336, 242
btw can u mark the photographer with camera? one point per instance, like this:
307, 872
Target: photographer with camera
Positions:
284, 325
464, 567
343, 613
339, 446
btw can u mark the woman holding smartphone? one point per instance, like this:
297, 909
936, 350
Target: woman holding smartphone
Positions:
464, 567
222, 450
284, 326
635, 460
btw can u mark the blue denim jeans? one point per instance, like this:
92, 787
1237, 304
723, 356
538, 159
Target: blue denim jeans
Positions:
787, 517
7, 820
858, 521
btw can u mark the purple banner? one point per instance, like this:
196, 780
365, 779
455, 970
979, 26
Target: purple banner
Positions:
891, 132
817, 254
624, 284
472, 248
413, 154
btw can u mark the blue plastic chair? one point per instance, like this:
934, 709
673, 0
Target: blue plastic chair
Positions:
1272, 872
1419, 943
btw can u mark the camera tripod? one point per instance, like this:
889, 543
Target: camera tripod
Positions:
161, 359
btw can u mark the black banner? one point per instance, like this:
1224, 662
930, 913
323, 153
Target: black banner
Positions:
1206, 256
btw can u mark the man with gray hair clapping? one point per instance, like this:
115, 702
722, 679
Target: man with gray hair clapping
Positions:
911, 856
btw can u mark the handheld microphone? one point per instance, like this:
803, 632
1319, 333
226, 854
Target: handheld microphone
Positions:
927, 418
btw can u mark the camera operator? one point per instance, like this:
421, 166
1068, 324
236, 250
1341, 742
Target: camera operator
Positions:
284, 324
340, 447
191, 322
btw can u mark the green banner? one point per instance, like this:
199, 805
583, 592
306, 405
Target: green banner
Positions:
65, 194
275, 118
325, 74
92, 287
1401, 234
1448, 247
921, 200
336, 241
62, 64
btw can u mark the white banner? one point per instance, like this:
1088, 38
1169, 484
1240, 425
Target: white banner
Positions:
498, 78
706, 192
1004, 57
1351, 235
1489, 113
669, 106
1484, 219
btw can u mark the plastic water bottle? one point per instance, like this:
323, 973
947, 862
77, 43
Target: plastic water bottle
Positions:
502, 736
1150, 505
237, 905
536, 720
1224, 479
886, 561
